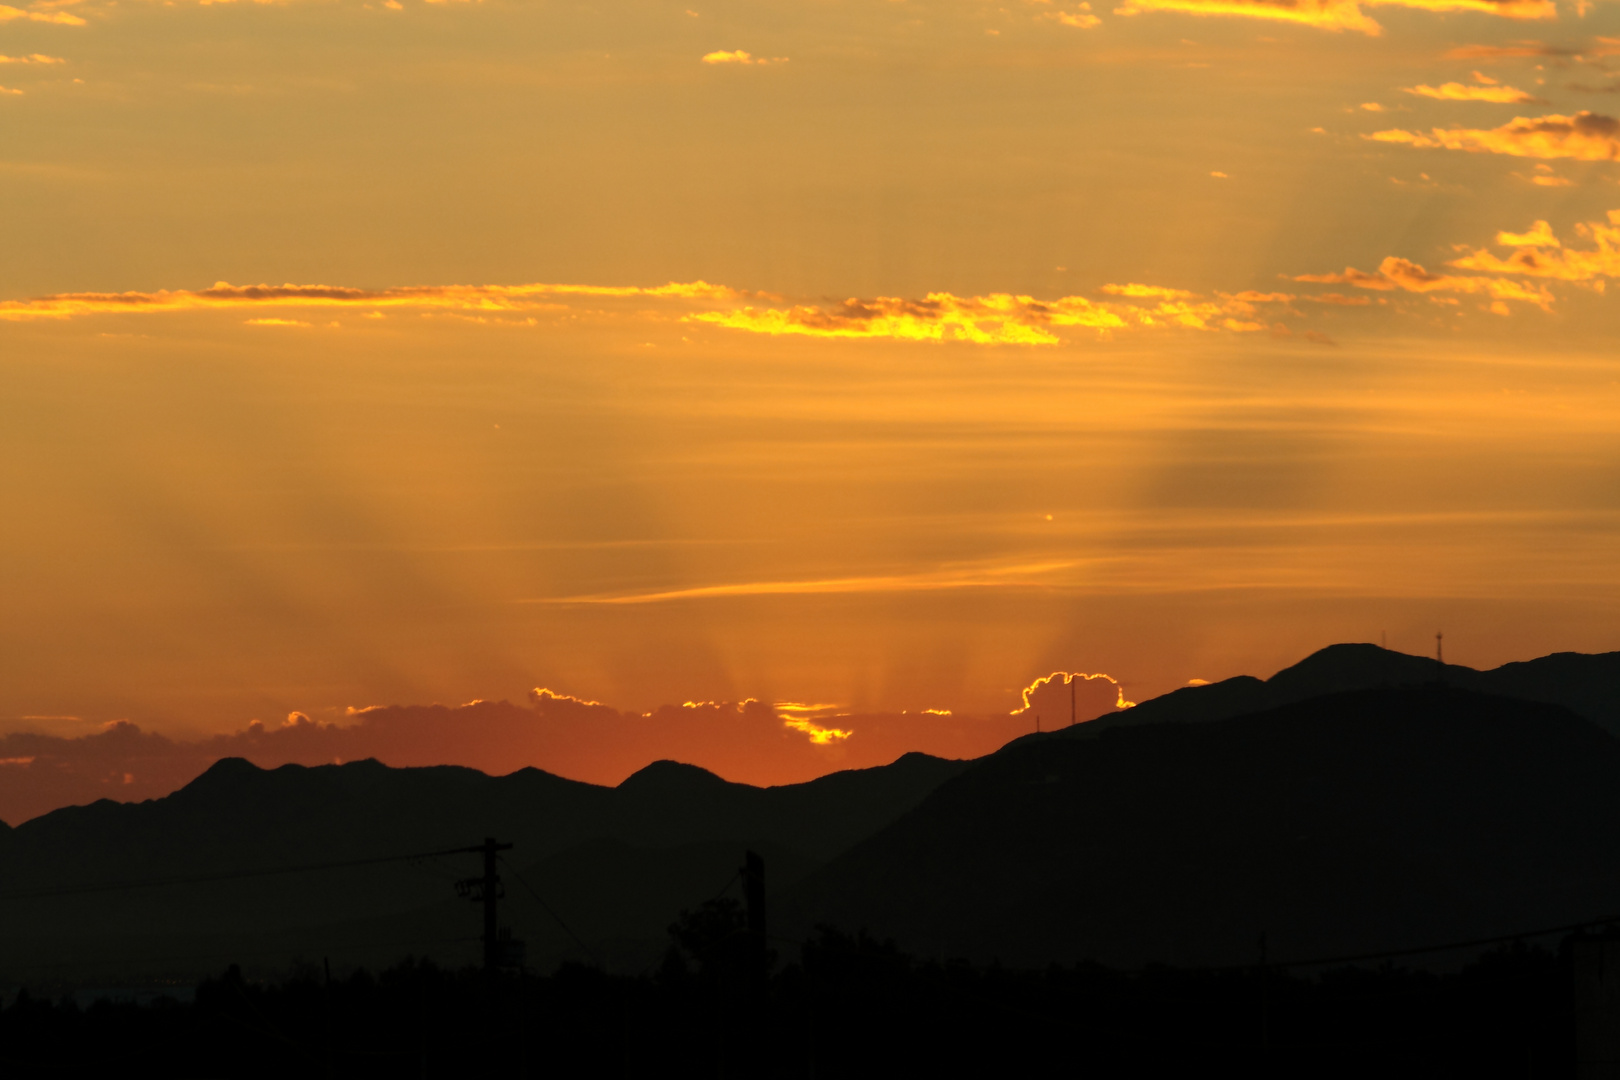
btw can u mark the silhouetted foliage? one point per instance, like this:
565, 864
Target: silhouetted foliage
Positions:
852, 1006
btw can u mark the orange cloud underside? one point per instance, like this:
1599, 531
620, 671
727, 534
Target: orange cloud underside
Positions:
1336, 15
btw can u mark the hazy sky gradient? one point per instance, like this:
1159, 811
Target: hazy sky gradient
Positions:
1146, 441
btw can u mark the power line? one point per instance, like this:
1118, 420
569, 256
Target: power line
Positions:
547, 908
1471, 943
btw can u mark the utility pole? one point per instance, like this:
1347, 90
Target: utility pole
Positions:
487, 890
1439, 653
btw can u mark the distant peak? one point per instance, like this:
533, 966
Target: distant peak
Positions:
230, 766
670, 774
1352, 665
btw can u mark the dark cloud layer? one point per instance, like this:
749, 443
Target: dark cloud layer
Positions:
751, 742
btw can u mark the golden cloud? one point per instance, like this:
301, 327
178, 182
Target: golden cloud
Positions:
995, 319
1081, 19
456, 297
1333, 15
1403, 274
1455, 91
1586, 136
1540, 235
1563, 263
1337, 15
61, 18
820, 736
1065, 678
738, 56
32, 58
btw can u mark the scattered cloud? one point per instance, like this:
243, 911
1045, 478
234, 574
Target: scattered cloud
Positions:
9, 90
1372, 106
32, 58
1340, 300
1586, 136
1538, 253
1455, 91
277, 322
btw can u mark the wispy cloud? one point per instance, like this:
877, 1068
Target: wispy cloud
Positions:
992, 319
1586, 136
974, 577
36, 14
458, 297
1518, 50
997, 319
1333, 15
32, 58
1157, 292
1455, 91
1395, 273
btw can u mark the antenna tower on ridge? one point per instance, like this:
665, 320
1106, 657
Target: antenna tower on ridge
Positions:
1439, 653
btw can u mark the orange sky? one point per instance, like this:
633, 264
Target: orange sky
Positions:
881, 356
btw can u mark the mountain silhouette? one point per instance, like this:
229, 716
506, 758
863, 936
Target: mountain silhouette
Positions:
583, 844
1352, 822
1360, 800
1586, 684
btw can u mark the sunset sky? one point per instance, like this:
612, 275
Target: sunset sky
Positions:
871, 355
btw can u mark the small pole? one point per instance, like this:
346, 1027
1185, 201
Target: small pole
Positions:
1439, 652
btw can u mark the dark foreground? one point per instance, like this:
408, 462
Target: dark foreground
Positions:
848, 1007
